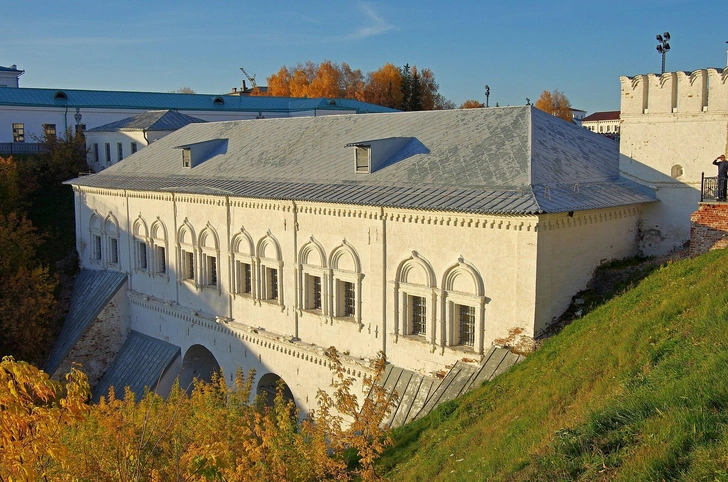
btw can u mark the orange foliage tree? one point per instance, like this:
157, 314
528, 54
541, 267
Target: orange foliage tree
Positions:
471, 104
389, 86
556, 104
214, 433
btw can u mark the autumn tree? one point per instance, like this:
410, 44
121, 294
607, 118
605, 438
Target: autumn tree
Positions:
471, 104
184, 90
556, 104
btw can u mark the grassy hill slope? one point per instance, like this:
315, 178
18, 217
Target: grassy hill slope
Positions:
635, 390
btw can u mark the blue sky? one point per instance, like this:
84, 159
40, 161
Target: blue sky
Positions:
518, 48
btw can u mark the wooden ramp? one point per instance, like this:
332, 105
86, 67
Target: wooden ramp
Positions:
419, 394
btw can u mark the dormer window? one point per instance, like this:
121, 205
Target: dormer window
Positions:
186, 157
60, 95
363, 159
218, 101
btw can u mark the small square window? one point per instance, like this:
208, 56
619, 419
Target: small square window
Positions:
49, 130
18, 133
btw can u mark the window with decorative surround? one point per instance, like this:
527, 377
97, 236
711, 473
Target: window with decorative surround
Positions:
187, 257
416, 299
312, 274
464, 307
111, 232
345, 283
243, 264
209, 247
141, 258
158, 258
270, 270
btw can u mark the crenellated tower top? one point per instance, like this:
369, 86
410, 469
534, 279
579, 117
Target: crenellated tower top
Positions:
704, 90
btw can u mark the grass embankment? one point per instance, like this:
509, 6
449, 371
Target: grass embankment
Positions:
635, 390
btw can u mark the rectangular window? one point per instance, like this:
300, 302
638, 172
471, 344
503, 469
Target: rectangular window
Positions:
142, 255
247, 284
186, 157
49, 130
80, 129
243, 273
133, 147
96, 152
18, 133
362, 159
349, 298
210, 270
188, 259
313, 292
418, 316
161, 261
114, 255
467, 324
272, 283
97, 247
119, 151
107, 146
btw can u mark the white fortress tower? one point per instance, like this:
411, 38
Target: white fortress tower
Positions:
672, 127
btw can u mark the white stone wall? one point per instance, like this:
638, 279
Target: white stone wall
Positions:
98, 140
511, 271
672, 127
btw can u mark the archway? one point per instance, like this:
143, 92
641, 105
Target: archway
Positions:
198, 363
267, 386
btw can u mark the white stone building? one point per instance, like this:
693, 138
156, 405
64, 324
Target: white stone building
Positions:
606, 123
672, 127
110, 143
426, 235
9, 76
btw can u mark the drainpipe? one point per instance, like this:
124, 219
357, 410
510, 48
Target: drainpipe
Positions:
295, 263
65, 120
144, 133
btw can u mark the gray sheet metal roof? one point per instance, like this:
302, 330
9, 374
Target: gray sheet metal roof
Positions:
139, 364
92, 290
188, 102
154, 120
498, 160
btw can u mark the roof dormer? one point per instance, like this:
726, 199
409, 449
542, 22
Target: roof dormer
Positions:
370, 156
197, 153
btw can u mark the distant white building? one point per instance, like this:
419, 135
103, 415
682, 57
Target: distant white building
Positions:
606, 123
426, 235
27, 114
9, 76
110, 143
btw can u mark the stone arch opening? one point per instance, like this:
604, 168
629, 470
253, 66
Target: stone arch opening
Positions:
200, 363
267, 386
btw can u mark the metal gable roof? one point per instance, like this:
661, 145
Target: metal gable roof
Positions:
162, 100
156, 120
473, 160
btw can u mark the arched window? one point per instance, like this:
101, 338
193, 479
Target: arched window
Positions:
676, 171
111, 232
415, 298
313, 290
463, 303
158, 258
243, 264
187, 258
209, 253
141, 244
270, 270
95, 237
345, 283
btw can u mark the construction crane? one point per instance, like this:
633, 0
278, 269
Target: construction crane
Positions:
251, 79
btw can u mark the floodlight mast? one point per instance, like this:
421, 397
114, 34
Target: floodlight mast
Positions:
663, 47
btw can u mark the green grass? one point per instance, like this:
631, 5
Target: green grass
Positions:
635, 390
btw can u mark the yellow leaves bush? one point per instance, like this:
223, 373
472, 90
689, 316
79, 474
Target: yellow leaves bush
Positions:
216, 432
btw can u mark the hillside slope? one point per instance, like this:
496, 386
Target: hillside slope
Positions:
635, 390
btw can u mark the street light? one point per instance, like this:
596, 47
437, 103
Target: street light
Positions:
487, 94
663, 47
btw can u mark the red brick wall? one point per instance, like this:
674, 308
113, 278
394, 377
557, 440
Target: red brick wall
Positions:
709, 228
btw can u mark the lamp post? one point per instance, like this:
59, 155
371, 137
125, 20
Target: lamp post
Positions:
663, 47
487, 94
78, 118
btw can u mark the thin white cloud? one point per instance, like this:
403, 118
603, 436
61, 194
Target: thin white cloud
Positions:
376, 24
